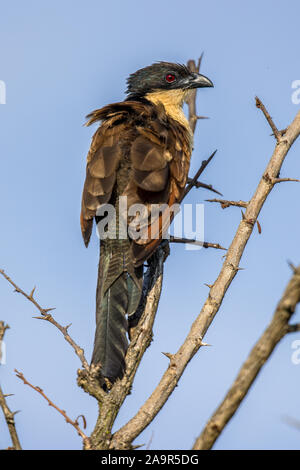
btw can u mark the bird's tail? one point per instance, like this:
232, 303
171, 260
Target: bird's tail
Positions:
118, 295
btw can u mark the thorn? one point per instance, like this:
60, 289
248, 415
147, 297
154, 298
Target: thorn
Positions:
8, 395
292, 266
209, 285
66, 328
32, 292
258, 227
243, 215
46, 310
204, 344
200, 61
168, 355
15, 412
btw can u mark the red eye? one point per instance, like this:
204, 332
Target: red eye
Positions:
170, 78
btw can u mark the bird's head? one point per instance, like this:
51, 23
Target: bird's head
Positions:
164, 77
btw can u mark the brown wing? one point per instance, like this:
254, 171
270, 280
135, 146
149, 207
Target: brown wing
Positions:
160, 162
102, 162
159, 151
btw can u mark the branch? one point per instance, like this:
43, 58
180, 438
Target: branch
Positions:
192, 343
277, 329
86, 440
224, 203
48, 317
8, 414
196, 242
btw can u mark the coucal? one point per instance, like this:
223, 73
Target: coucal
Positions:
141, 150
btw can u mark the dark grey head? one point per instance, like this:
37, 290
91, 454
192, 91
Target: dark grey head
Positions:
164, 76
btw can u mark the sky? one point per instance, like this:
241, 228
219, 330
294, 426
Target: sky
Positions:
59, 61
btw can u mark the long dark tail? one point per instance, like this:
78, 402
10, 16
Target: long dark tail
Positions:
118, 295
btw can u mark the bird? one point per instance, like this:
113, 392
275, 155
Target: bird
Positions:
141, 151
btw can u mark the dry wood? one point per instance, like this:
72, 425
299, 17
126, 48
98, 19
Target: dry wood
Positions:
276, 330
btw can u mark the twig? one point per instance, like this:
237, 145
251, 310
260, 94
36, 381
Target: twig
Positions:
276, 132
224, 203
141, 338
86, 440
8, 414
198, 184
196, 242
192, 343
260, 353
48, 317
193, 181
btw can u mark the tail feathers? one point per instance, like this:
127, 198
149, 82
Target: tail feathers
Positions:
111, 330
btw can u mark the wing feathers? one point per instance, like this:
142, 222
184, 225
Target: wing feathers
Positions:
158, 149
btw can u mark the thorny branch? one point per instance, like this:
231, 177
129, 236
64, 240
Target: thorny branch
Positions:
276, 330
8, 414
125, 436
86, 440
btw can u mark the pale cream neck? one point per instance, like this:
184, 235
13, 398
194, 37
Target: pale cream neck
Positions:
172, 100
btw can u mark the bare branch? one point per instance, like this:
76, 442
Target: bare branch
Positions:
260, 353
46, 316
8, 414
125, 435
86, 440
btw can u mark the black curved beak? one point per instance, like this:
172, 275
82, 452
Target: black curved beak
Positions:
196, 80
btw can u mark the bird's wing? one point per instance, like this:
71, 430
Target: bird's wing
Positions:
160, 158
102, 162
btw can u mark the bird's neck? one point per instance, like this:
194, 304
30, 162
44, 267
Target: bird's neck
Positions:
172, 100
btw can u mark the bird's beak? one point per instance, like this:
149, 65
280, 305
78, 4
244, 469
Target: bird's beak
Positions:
196, 80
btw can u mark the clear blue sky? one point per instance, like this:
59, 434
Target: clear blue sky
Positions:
60, 60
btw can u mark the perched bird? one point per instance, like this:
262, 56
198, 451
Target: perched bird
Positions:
141, 150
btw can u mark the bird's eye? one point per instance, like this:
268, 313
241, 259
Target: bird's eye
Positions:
170, 78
